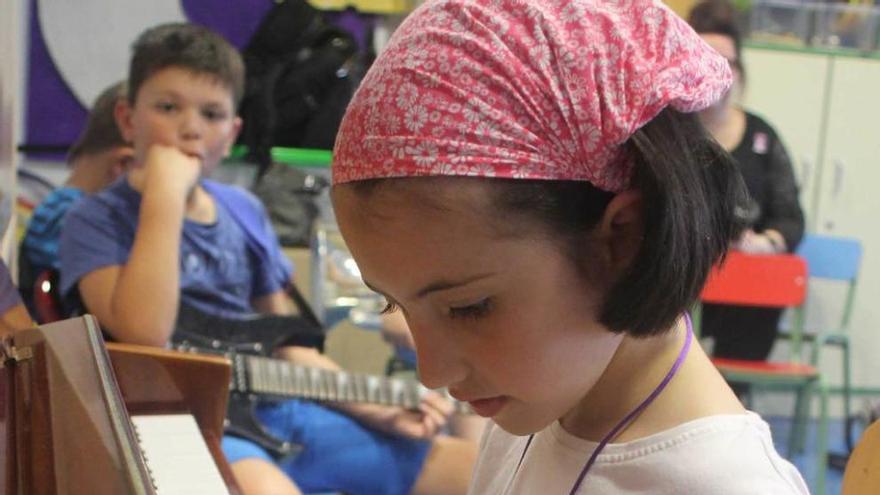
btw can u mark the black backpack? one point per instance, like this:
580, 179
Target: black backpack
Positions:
301, 74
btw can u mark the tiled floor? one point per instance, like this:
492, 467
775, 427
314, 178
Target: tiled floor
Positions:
806, 463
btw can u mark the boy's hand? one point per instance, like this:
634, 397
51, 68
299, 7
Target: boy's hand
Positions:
166, 167
433, 414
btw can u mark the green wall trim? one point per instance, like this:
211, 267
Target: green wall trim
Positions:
837, 390
297, 157
814, 50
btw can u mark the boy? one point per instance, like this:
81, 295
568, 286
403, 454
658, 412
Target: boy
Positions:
164, 235
99, 157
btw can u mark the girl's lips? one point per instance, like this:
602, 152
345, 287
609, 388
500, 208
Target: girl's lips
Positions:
489, 407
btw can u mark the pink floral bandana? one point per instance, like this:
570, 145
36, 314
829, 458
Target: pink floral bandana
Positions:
523, 89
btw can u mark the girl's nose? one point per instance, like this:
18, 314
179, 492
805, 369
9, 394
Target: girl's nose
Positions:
439, 362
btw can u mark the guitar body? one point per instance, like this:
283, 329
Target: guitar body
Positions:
242, 422
259, 336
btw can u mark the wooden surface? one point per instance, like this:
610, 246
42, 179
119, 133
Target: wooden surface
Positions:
159, 381
862, 475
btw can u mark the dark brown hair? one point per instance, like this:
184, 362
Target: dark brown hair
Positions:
690, 187
188, 46
101, 132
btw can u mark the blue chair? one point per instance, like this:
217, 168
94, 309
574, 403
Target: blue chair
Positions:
834, 259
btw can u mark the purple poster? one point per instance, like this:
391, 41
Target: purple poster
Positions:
78, 48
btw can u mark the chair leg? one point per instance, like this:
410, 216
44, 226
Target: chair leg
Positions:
847, 392
821, 442
796, 438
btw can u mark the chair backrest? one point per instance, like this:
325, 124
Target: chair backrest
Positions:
834, 258
862, 474
758, 280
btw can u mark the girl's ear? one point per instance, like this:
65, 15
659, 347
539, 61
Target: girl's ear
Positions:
621, 230
122, 114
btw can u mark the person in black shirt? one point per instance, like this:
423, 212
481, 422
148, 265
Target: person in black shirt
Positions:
774, 213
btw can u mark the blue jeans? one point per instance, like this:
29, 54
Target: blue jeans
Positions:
339, 453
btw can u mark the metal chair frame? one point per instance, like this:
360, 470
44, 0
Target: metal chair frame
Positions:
774, 281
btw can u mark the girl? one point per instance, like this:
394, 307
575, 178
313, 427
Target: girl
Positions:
524, 181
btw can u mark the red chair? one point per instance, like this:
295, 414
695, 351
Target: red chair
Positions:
771, 281
46, 302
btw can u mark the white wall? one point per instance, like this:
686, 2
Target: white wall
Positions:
12, 46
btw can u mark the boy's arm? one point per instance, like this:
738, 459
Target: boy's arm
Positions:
276, 303
137, 302
15, 318
13, 314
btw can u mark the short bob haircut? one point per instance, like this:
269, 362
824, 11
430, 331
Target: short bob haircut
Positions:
188, 46
690, 188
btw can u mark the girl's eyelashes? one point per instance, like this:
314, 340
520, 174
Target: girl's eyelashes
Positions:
390, 307
476, 310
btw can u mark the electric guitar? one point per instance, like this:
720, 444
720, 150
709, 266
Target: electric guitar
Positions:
257, 377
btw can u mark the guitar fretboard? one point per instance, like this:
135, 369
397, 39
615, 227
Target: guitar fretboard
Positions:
276, 377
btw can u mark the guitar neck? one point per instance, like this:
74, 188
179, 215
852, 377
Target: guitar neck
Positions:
282, 379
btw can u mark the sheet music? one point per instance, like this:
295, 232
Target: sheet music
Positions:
177, 455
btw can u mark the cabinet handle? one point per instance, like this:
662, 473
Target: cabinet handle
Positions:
806, 172
837, 185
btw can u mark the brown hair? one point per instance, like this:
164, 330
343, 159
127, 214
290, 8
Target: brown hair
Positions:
101, 132
189, 46
690, 187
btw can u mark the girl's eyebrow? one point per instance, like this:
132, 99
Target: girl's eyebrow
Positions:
440, 285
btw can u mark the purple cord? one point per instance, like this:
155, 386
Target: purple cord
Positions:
632, 415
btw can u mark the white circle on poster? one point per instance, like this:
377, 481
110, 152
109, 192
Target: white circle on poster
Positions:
90, 41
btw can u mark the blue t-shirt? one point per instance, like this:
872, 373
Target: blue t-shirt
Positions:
8, 293
221, 270
40, 244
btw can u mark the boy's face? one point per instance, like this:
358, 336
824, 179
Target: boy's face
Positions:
177, 107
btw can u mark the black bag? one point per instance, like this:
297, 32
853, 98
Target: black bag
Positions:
299, 80
289, 195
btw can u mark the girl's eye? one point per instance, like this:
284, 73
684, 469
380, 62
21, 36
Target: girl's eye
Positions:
390, 307
477, 310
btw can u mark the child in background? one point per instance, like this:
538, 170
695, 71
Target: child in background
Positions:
164, 235
98, 158
528, 184
776, 218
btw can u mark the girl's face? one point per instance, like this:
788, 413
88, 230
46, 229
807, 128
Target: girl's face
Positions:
505, 322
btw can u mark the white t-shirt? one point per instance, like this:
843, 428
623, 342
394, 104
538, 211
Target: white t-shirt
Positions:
716, 455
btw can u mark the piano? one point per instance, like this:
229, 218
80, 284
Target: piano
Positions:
79, 417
